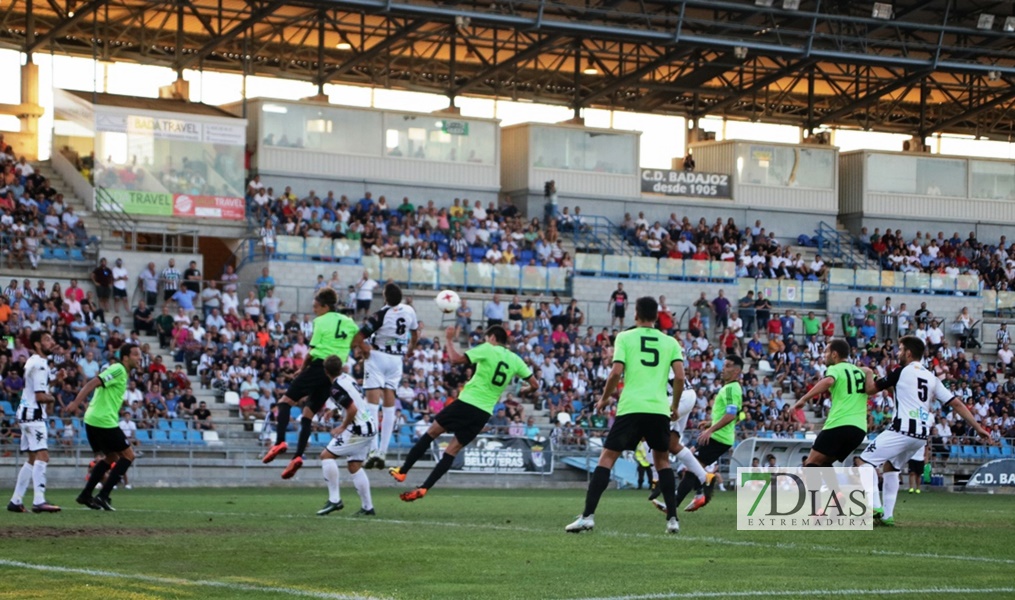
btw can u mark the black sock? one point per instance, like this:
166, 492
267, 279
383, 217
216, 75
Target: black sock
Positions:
122, 464
442, 467
668, 485
416, 452
598, 484
687, 485
815, 482
98, 472
282, 422
306, 427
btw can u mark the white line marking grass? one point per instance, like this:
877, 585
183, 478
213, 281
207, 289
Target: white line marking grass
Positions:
811, 593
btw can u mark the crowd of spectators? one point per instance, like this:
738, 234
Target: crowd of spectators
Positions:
33, 215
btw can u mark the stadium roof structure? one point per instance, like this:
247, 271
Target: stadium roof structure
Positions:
908, 66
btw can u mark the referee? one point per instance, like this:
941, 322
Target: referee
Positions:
102, 424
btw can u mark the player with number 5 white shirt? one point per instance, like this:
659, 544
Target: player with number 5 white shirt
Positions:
915, 387
388, 335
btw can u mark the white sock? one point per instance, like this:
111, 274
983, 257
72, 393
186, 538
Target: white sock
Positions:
39, 480
362, 483
330, 468
24, 478
373, 409
387, 427
891, 493
691, 463
875, 493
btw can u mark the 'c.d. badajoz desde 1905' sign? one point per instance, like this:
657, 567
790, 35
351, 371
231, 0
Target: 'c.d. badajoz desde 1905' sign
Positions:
685, 183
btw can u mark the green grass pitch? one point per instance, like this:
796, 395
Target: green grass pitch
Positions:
490, 544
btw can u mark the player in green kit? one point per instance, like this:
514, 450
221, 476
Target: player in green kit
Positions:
644, 356
102, 425
717, 439
334, 335
496, 366
846, 426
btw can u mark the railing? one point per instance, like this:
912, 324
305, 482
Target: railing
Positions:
901, 281
839, 247
647, 267
999, 303
600, 235
112, 215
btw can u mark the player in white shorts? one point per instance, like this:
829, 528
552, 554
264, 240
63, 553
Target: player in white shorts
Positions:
351, 439
687, 399
388, 336
31, 415
915, 387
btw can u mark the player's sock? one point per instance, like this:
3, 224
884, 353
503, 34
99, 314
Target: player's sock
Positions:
282, 422
306, 428
39, 482
600, 481
442, 467
98, 472
876, 494
330, 468
374, 409
416, 452
122, 464
387, 427
668, 485
891, 493
686, 458
24, 478
687, 485
362, 483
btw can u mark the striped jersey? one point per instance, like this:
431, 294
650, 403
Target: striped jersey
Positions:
36, 380
915, 387
389, 328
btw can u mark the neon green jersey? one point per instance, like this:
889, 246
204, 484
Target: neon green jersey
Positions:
333, 334
495, 366
849, 402
729, 400
104, 409
647, 355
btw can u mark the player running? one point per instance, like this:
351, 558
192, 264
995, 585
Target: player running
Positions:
915, 386
31, 415
688, 398
644, 356
102, 425
351, 439
495, 367
388, 336
717, 439
334, 335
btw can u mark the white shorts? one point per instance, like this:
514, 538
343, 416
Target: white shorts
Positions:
891, 447
382, 371
33, 436
687, 401
351, 447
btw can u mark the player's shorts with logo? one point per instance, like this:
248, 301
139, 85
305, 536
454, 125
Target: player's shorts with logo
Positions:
106, 440
352, 445
33, 436
687, 401
891, 447
382, 371
839, 442
628, 431
464, 420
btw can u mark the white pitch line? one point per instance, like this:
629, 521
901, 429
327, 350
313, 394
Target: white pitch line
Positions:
812, 593
231, 585
620, 534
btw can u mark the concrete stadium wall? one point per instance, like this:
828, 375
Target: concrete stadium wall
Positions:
679, 295
354, 189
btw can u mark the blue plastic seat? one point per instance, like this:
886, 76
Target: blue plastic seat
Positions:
76, 254
8, 409
177, 437
60, 253
1007, 451
178, 424
195, 437
993, 451
404, 438
321, 438
160, 436
954, 451
144, 436
164, 425
292, 437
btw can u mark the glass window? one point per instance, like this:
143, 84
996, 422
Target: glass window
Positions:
581, 150
992, 179
322, 128
918, 175
432, 137
786, 166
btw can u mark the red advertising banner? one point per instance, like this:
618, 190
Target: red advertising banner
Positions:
210, 207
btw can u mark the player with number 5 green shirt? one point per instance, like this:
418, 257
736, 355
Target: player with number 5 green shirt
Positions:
846, 426
495, 368
641, 350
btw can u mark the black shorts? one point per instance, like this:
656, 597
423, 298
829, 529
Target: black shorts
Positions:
167, 295
363, 304
464, 420
711, 452
618, 312
106, 440
628, 430
916, 466
118, 293
839, 442
313, 384
102, 291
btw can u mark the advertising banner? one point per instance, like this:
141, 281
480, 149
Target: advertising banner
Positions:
996, 473
492, 454
210, 207
685, 183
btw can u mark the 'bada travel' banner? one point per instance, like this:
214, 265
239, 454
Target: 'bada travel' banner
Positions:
685, 183
176, 205
490, 454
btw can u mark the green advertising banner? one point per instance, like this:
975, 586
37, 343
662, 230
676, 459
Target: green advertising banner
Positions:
139, 202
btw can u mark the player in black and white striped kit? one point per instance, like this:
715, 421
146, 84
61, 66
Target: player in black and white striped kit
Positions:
915, 387
31, 414
388, 335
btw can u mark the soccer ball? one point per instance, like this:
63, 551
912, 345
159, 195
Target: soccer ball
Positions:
448, 301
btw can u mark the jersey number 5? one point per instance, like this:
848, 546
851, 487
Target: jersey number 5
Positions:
653, 352
500, 374
921, 389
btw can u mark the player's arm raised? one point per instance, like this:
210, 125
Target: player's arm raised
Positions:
968, 417
454, 355
86, 391
611, 386
819, 388
678, 388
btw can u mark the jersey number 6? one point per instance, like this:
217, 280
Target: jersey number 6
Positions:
500, 374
